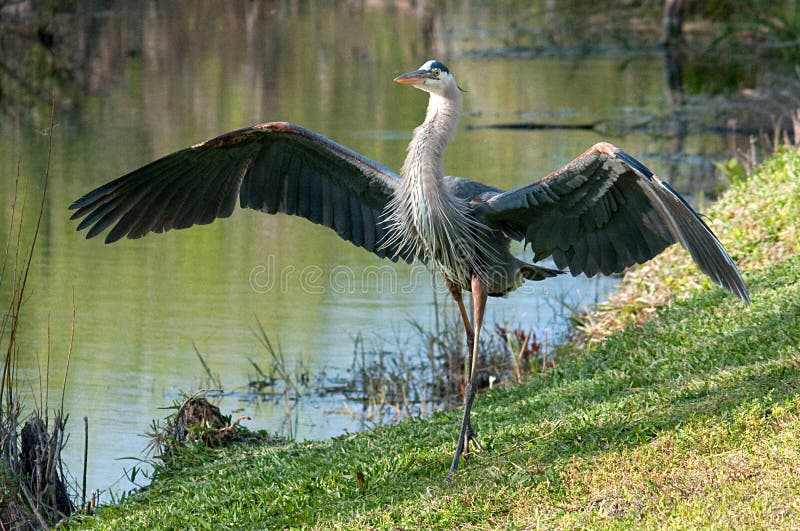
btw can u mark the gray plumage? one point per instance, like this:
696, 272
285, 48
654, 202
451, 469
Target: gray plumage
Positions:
601, 213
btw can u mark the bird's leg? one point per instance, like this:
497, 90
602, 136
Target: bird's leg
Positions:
455, 291
467, 434
479, 296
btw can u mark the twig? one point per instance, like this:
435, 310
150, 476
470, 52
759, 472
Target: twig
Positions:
32, 503
85, 459
69, 351
19, 289
10, 226
46, 374
518, 360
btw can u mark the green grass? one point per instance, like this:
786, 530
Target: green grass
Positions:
686, 415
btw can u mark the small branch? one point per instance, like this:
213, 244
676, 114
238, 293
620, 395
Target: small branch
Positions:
85, 459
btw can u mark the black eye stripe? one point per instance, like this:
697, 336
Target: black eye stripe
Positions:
436, 65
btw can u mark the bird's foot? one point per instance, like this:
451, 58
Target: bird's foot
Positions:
471, 437
467, 436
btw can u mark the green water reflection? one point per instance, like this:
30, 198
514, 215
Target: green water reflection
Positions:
171, 77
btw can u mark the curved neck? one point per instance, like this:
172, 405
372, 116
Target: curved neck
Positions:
425, 218
424, 159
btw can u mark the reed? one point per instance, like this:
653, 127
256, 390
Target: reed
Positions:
33, 486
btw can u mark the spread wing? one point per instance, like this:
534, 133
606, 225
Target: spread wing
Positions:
605, 211
272, 167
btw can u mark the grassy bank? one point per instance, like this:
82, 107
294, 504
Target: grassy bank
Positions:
678, 406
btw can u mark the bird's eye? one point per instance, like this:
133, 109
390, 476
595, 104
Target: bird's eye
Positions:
436, 72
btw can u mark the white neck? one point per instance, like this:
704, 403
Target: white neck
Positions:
424, 217
423, 162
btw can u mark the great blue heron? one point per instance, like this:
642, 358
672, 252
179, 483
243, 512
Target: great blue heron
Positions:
601, 213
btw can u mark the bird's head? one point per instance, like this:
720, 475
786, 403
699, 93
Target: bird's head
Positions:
432, 77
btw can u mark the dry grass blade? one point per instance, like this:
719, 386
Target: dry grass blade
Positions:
35, 494
279, 366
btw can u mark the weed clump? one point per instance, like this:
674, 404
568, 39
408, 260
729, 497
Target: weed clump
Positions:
197, 423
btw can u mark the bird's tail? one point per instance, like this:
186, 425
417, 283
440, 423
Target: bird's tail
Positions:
534, 272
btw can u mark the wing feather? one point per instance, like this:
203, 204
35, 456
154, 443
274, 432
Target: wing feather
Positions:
368, 226
193, 200
605, 211
154, 213
273, 167
327, 206
294, 166
356, 223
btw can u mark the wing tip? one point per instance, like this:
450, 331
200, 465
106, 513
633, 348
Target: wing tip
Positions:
84, 200
739, 289
745, 297
637, 166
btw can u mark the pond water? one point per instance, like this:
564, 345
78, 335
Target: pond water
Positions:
161, 77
